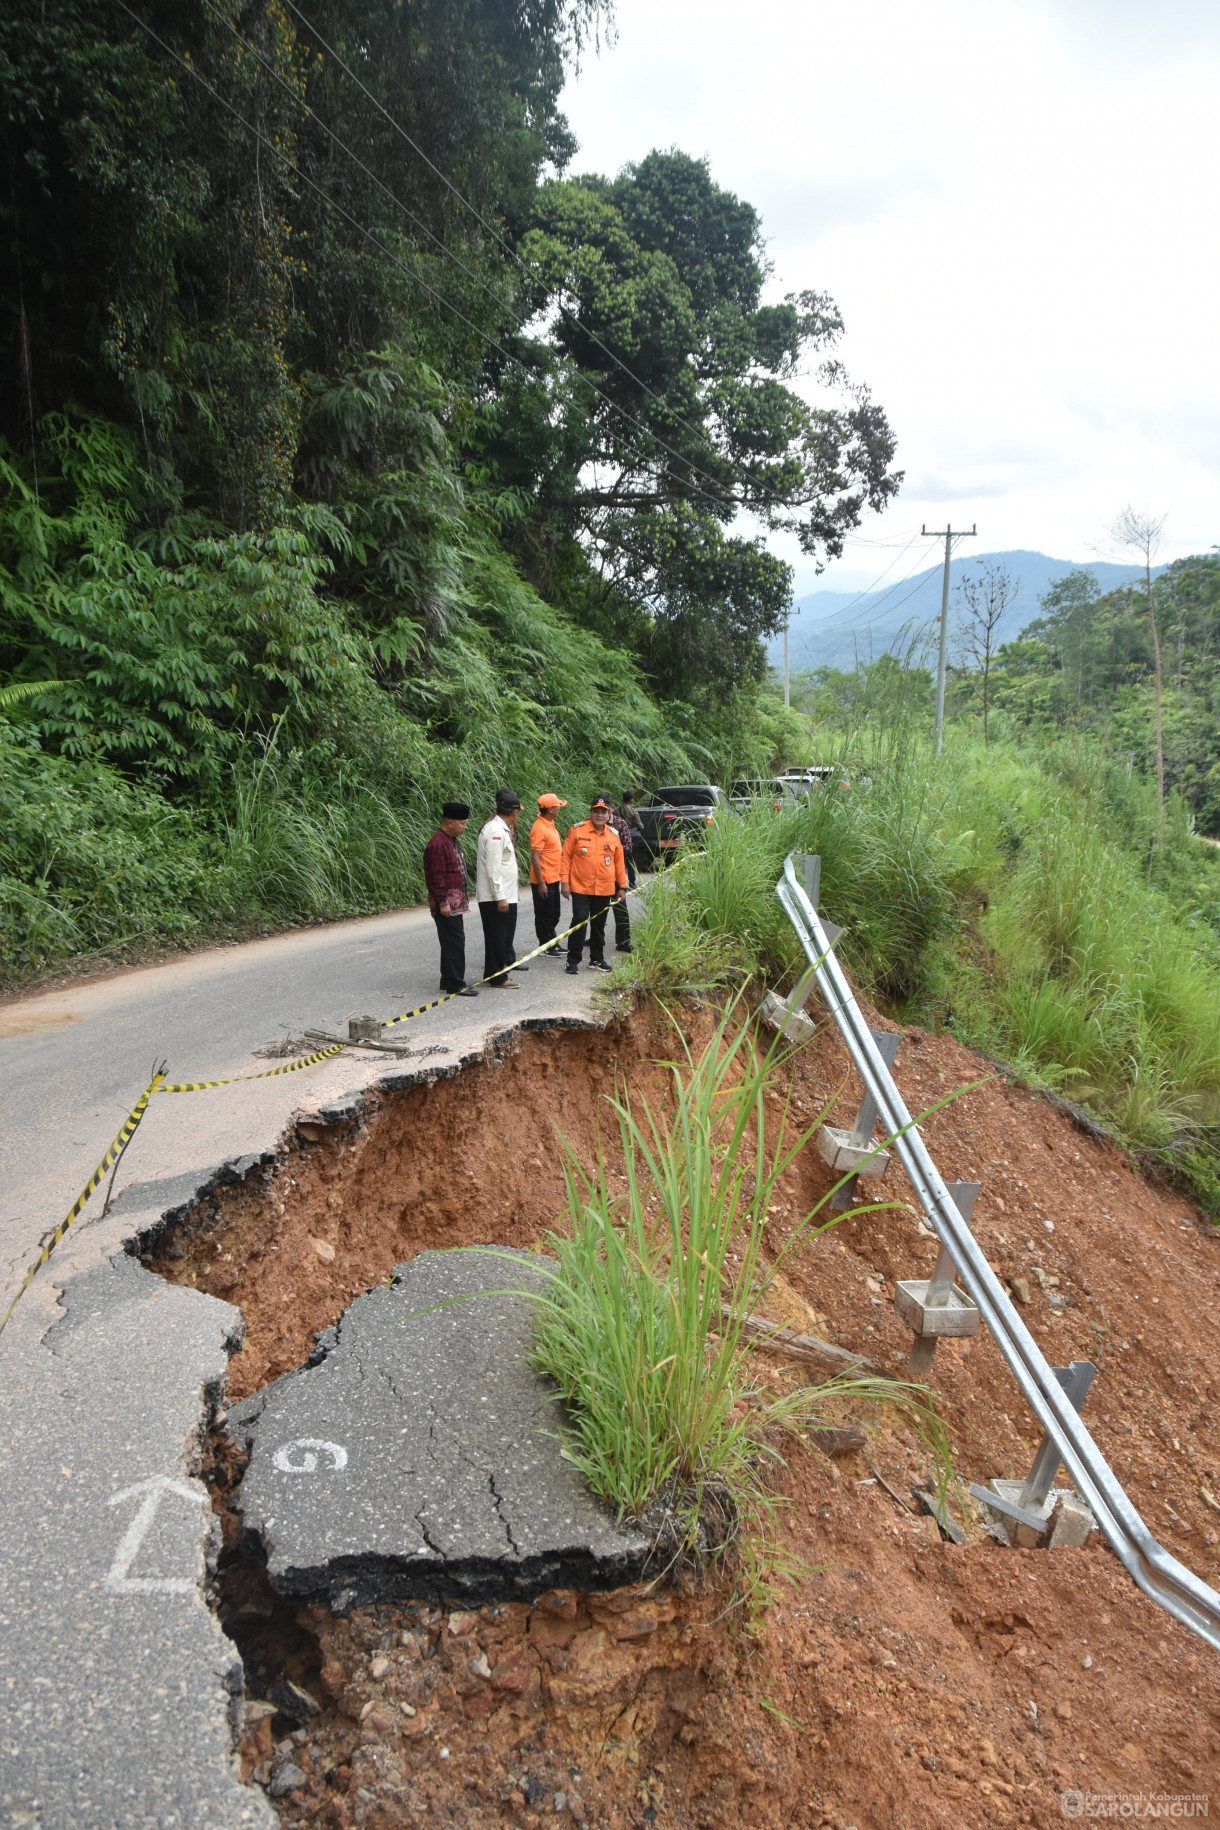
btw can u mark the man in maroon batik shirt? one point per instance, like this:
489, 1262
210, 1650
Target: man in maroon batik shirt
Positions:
445, 876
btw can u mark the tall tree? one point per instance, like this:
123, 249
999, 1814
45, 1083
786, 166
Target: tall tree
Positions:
984, 594
1139, 532
660, 410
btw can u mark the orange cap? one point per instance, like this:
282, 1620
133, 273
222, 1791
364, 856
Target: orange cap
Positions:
550, 800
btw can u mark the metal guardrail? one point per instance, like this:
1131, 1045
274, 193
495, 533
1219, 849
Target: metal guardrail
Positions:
1169, 1583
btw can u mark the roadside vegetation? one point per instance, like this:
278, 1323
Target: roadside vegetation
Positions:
642, 1323
365, 453
1001, 891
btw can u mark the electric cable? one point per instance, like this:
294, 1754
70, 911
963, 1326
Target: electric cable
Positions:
513, 253
746, 485
841, 619
720, 503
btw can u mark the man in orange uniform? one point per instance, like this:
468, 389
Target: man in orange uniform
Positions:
593, 872
545, 852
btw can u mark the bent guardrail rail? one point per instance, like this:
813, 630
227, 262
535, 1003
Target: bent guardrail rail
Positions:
1159, 1574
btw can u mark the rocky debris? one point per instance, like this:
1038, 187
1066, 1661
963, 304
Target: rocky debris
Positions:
419, 1455
286, 1778
290, 1700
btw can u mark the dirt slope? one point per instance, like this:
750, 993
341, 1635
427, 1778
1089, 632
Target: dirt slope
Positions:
909, 1682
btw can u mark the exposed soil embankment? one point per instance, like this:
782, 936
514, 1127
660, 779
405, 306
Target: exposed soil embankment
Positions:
907, 1682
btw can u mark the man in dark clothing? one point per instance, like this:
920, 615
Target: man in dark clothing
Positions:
445, 876
622, 920
631, 818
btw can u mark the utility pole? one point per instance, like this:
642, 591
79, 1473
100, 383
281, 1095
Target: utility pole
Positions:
948, 536
787, 686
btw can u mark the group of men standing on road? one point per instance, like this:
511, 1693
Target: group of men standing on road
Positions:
591, 867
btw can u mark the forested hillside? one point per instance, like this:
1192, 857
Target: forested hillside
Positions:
354, 452
1087, 662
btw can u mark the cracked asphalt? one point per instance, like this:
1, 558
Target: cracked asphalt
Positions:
120, 1692
424, 1411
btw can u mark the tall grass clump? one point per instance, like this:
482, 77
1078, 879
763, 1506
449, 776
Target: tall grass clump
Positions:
888, 877
642, 1322
1106, 991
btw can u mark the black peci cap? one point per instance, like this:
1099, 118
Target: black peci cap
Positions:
455, 810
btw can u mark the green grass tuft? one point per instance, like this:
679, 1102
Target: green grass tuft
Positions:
641, 1324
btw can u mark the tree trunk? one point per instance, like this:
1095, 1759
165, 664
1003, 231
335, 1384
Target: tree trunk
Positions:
1160, 728
986, 672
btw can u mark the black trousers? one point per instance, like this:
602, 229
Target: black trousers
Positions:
499, 927
546, 912
590, 910
451, 932
622, 924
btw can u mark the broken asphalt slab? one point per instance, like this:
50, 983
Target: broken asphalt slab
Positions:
120, 1689
420, 1456
121, 1692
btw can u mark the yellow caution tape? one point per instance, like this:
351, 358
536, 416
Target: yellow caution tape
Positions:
124, 1136
289, 1067
546, 947
159, 1084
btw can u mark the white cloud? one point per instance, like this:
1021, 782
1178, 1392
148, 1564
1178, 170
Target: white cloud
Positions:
1013, 206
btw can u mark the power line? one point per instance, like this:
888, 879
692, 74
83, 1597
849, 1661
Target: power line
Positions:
745, 484
889, 568
717, 502
513, 253
942, 654
840, 617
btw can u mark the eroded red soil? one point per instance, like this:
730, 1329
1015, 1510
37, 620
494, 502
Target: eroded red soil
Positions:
909, 1682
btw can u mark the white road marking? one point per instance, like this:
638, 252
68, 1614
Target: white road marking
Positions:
117, 1579
308, 1463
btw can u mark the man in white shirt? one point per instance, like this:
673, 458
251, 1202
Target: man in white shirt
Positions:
496, 891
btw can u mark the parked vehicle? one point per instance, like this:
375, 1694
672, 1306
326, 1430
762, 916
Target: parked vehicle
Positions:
674, 814
779, 790
816, 775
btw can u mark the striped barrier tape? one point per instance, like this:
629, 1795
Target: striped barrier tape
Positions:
289, 1067
322, 1054
159, 1084
123, 1137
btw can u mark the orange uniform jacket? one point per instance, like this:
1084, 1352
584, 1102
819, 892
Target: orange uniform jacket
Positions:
546, 842
592, 864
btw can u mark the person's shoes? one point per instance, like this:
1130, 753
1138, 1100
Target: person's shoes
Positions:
625, 948
518, 967
467, 991
601, 965
572, 967
503, 984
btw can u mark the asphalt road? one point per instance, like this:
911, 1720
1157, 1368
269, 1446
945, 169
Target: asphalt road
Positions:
119, 1688
73, 1061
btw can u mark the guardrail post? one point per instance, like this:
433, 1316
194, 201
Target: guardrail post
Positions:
787, 1015
835, 1145
1075, 1380
1032, 1512
936, 1306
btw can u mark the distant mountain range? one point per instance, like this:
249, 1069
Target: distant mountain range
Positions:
837, 628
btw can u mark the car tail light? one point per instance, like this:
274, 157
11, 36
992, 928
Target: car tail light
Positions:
708, 821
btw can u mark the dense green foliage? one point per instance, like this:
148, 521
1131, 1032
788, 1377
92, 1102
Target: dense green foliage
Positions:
353, 453
1003, 892
1086, 664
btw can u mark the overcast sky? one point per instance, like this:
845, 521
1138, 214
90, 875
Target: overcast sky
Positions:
1014, 204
